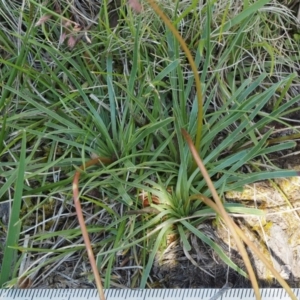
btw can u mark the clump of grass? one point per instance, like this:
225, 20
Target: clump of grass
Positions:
126, 96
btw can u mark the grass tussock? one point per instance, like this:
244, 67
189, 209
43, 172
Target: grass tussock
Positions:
83, 81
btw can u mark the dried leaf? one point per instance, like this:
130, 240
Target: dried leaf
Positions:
135, 5
71, 42
43, 20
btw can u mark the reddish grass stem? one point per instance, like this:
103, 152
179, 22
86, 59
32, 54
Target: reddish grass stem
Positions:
81, 221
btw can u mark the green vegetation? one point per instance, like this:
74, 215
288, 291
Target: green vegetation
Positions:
125, 93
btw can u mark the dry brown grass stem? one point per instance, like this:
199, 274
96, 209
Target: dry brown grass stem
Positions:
81, 221
222, 212
236, 232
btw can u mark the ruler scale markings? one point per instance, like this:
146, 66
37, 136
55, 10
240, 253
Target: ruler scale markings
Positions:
160, 292
244, 293
144, 294
198, 293
118, 292
189, 293
209, 293
84, 293
28, 294
52, 294
115, 293
121, 293
93, 294
180, 293
108, 293
112, 293
234, 292
247, 294
151, 294
194, 292
140, 294
156, 294
274, 293
280, 294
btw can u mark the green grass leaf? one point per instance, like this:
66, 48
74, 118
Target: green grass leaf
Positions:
10, 254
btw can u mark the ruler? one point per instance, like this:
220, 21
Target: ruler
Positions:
145, 294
